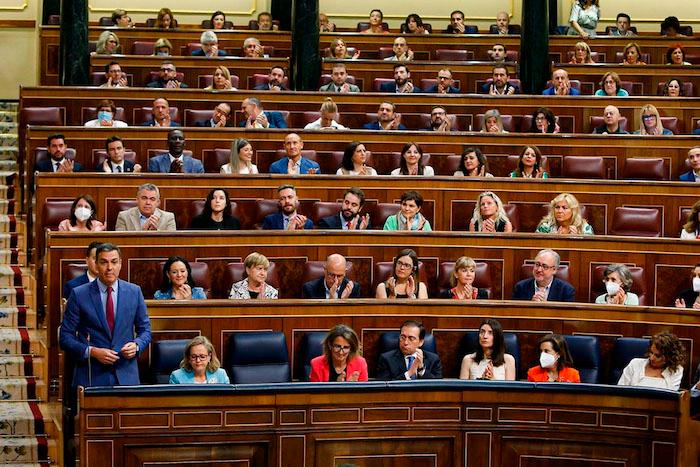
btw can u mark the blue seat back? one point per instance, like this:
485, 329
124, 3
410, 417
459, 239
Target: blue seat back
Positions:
585, 353
310, 348
166, 356
624, 350
470, 342
258, 357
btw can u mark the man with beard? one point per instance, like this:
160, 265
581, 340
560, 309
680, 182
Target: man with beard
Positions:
402, 82
387, 118
275, 81
334, 284
439, 120
287, 218
445, 83
499, 85
57, 161
348, 218
175, 161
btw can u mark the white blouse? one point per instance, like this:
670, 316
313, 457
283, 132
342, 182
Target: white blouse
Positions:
226, 169
633, 375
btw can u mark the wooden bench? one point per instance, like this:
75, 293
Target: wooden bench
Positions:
464, 423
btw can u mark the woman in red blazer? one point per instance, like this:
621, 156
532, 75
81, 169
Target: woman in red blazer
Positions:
555, 362
341, 359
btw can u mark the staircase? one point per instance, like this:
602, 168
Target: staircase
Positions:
29, 423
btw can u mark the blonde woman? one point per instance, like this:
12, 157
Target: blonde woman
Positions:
199, 365
241, 159
329, 112
493, 123
107, 44
162, 47
582, 54
650, 122
564, 217
489, 215
221, 80
462, 282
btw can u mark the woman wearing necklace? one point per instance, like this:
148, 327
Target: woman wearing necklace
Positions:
404, 281
341, 359
216, 214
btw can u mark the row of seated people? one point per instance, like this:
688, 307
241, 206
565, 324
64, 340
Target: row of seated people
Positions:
412, 354
257, 277
355, 159
564, 215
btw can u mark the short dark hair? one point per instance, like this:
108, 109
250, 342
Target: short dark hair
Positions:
217, 13
91, 246
113, 62
412, 323
412, 195
279, 67
89, 200
505, 49
106, 248
399, 65
111, 140
499, 67
559, 346
379, 11
264, 13
53, 137
286, 187
106, 103
457, 11
357, 192
623, 15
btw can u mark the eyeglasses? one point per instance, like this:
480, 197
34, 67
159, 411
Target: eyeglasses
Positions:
648, 117
542, 266
341, 348
405, 337
167, 69
197, 357
402, 265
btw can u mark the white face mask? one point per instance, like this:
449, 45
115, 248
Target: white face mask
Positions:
612, 287
696, 284
82, 213
547, 360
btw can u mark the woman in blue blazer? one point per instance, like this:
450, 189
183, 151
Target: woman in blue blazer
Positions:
199, 365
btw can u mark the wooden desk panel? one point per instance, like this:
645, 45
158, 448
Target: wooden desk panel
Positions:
465, 423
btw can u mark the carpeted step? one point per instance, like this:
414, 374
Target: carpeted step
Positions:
21, 389
14, 366
17, 317
12, 256
20, 450
10, 276
19, 341
11, 296
21, 419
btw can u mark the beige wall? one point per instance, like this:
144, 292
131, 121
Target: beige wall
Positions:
18, 47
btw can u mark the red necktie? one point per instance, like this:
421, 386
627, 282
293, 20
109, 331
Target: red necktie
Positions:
110, 310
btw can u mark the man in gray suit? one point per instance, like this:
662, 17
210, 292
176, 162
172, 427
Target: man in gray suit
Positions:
146, 215
339, 75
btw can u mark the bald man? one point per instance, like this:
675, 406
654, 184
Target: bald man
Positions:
294, 163
611, 122
334, 284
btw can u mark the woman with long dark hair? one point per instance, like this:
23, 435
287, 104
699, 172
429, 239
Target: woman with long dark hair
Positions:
217, 213
490, 361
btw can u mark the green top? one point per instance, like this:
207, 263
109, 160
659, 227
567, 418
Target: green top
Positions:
514, 174
392, 223
552, 228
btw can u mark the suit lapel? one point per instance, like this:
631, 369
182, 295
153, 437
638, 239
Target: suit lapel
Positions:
136, 219
97, 305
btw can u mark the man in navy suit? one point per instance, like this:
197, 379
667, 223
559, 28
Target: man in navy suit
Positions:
99, 325
543, 286
334, 284
210, 46
409, 361
219, 119
499, 85
402, 81
287, 218
256, 117
89, 275
167, 77
349, 216
175, 161
115, 161
57, 162
275, 81
445, 83
387, 118
293, 163
693, 175
160, 114
439, 120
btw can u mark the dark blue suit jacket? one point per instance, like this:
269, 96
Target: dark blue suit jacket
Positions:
85, 318
375, 126
128, 167
434, 89
688, 176
391, 87
316, 289
200, 53
275, 119
45, 166
560, 291
276, 222
281, 166
73, 283
392, 365
152, 122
